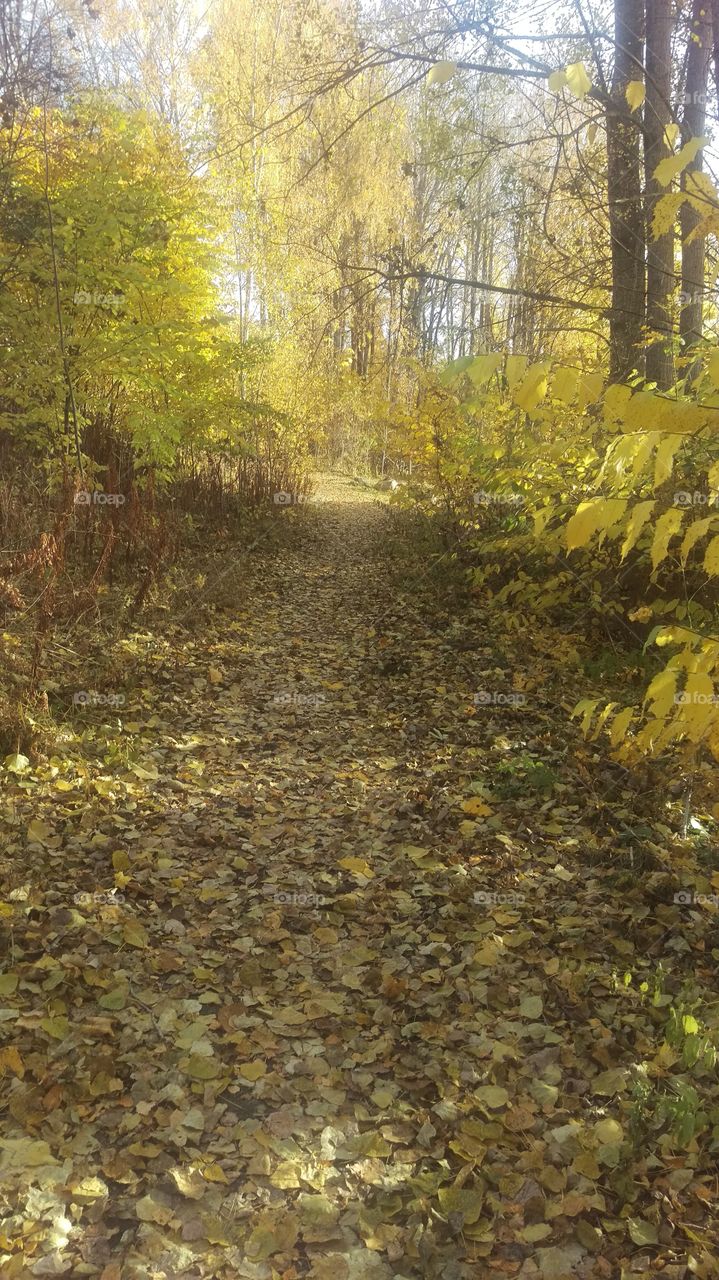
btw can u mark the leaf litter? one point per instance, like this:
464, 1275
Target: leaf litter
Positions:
314, 965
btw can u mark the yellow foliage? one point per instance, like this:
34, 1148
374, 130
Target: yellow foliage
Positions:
635, 94
641, 512
672, 166
667, 527
598, 514
711, 559
533, 387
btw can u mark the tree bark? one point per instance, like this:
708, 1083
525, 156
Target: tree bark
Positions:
660, 252
624, 190
693, 123
715, 40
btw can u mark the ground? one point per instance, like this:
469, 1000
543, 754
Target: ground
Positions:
319, 956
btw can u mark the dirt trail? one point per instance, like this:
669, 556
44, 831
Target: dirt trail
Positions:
340, 1026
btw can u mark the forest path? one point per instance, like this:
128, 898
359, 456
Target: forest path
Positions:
300, 1046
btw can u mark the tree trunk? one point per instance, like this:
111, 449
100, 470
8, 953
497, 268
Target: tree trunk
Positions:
693, 122
660, 252
715, 40
624, 190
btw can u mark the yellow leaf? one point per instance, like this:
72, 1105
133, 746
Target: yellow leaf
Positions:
616, 401
58, 1028
701, 193
148, 1209
557, 81
483, 366
253, 1070
699, 688
200, 1068
493, 1096
711, 559
10, 1060
18, 763
609, 1133
713, 367
661, 692
698, 710
637, 520
441, 72
590, 517
24, 1153
326, 935
667, 527
590, 389
666, 211
693, 535
586, 709
671, 133
620, 724
38, 832
148, 772
514, 370
664, 460
189, 1181
214, 675
635, 94
214, 1172
602, 718
476, 807
533, 387
488, 954
672, 166
564, 385
134, 934
382, 1098
290, 1016
358, 866
463, 1200
120, 860
578, 80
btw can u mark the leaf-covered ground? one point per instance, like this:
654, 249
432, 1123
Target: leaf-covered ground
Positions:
316, 964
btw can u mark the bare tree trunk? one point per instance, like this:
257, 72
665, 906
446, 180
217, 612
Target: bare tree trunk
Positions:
624, 191
660, 252
694, 120
715, 40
